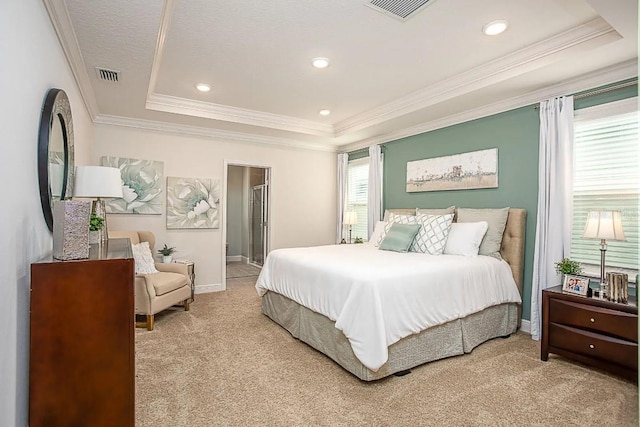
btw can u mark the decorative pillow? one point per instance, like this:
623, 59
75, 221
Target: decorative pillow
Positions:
393, 219
378, 231
144, 263
444, 211
399, 237
497, 220
433, 233
465, 238
389, 212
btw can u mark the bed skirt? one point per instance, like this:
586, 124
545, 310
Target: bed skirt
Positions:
450, 339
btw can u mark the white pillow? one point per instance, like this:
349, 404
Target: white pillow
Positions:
465, 238
378, 231
144, 262
432, 236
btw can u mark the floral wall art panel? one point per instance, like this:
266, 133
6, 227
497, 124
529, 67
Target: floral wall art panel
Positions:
141, 186
477, 169
193, 203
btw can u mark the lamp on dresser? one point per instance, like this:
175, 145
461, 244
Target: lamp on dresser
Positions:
603, 225
350, 219
98, 182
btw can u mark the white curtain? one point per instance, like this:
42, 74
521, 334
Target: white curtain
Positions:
553, 224
374, 200
343, 164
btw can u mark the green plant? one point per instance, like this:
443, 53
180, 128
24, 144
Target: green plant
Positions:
166, 251
568, 266
96, 223
358, 240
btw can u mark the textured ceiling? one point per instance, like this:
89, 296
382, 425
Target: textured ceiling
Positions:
385, 76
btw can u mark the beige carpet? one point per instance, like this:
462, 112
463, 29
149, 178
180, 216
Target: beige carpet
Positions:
225, 364
237, 269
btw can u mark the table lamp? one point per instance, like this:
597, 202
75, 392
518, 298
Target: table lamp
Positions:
603, 225
98, 182
350, 219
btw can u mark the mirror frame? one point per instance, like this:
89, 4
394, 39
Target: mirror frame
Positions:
56, 105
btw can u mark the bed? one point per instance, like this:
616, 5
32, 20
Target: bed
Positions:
357, 342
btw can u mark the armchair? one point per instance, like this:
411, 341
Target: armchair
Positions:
158, 291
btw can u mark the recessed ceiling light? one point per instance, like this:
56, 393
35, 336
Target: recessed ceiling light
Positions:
325, 112
203, 87
495, 27
320, 62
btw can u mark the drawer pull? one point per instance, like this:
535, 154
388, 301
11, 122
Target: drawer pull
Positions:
592, 346
592, 320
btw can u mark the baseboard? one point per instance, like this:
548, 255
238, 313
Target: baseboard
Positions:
205, 289
525, 326
236, 258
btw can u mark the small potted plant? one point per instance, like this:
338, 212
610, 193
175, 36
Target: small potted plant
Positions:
568, 266
166, 253
95, 225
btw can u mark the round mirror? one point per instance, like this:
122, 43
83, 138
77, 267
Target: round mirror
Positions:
55, 152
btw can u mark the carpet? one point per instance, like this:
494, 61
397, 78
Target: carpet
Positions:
225, 364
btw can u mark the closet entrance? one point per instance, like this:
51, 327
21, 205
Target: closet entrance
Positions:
247, 220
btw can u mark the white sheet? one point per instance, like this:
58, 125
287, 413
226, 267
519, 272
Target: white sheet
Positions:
378, 297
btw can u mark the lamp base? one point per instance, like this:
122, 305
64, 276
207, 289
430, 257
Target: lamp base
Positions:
99, 209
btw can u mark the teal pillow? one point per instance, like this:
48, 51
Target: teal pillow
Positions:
400, 237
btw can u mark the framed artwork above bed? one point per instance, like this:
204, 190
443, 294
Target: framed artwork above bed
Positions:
466, 171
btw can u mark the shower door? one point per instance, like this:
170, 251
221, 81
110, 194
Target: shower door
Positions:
259, 224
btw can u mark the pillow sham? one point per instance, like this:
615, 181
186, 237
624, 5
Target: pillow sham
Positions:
497, 220
443, 211
143, 260
389, 212
433, 233
399, 237
396, 218
378, 231
465, 238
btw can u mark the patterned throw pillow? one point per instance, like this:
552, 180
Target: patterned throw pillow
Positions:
432, 237
393, 219
143, 259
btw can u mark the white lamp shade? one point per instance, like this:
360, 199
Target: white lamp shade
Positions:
604, 225
97, 181
350, 218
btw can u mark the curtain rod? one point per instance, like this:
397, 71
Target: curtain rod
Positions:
603, 90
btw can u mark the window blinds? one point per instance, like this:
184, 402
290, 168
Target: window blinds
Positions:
357, 192
606, 171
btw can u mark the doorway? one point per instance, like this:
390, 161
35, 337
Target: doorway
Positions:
247, 222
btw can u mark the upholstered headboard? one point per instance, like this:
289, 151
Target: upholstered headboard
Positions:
512, 248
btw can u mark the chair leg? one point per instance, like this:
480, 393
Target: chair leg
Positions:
186, 304
150, 319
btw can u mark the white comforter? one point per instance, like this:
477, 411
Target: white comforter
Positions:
377, 297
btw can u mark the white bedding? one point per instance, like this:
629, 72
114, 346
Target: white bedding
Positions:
377, 297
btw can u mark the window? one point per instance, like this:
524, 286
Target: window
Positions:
357, 195
606, 178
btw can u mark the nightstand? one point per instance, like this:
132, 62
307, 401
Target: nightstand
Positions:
590, 330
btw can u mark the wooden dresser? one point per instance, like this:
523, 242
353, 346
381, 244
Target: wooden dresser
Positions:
592, 331
82, 366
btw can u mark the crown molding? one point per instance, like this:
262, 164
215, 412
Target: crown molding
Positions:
172, 104
165, 21
506, 67
609, 75
61, 22
152, 125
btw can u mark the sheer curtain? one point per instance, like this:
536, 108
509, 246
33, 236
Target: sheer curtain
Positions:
343, 163
553, 224
374, 200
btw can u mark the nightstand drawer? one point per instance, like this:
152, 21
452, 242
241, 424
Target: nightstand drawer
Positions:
599, 319
594, 345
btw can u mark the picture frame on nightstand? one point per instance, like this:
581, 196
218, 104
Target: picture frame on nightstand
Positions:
575, 284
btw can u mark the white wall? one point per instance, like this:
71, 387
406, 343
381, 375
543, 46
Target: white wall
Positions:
303, 190
32, 63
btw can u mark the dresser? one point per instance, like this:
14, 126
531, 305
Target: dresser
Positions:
590, 330
82, 366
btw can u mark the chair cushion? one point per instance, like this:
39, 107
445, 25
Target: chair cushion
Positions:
164, 283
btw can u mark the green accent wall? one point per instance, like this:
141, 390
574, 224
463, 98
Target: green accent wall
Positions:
515, 133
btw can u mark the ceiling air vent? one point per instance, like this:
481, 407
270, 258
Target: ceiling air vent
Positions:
399, 9
108, 75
